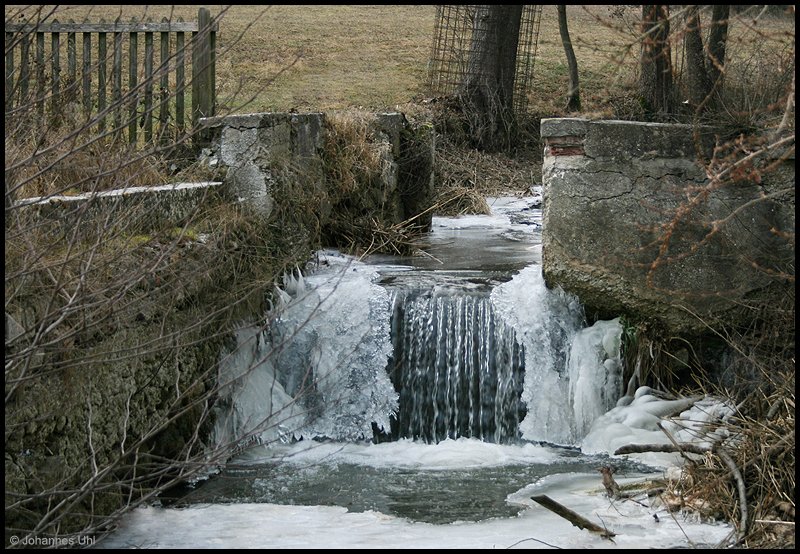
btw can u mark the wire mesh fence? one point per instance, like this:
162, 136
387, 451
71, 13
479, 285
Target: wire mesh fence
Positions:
453, 47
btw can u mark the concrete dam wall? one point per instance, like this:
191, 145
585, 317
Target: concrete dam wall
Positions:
635, 223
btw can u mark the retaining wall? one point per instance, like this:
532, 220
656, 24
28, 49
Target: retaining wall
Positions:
140, 207
264, 153
633, 224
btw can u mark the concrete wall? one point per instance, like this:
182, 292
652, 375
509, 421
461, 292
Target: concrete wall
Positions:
633, 225
261, 152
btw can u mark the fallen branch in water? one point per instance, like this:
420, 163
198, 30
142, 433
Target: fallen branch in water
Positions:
573, 517
680, 447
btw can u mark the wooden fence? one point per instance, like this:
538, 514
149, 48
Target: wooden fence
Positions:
119, 99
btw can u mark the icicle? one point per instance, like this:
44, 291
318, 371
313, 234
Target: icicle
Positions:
300, 285
284, 298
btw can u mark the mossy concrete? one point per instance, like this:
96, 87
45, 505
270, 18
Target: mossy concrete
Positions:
126, 396
268, 154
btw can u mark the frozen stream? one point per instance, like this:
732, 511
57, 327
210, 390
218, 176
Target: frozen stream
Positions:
456, 492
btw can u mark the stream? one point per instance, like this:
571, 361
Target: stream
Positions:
449, 387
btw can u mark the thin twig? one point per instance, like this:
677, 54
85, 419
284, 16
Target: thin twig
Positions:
743, 523
532, 539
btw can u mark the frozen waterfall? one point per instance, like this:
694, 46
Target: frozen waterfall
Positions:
458, 368
572, 374
346, 357
318, 368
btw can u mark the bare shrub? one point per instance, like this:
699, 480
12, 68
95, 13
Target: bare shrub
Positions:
115, 318
367, 214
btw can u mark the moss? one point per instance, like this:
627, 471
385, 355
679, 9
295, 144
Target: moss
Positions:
184, 233
124, 383
138, 240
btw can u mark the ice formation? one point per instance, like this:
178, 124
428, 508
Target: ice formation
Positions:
319, 367
545, 322
595, 373
694, 420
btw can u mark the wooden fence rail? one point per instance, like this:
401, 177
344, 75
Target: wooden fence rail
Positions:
148, 94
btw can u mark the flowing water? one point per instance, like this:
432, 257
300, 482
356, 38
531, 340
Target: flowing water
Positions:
422, 393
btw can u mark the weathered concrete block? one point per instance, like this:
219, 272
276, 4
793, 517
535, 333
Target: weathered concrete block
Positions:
142, 207
628, 139
563, 127
263, 150
633, 225
409, 175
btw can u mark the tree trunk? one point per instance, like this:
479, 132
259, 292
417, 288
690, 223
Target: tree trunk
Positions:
705, 64
715, 62
698, 83
656, 66
573, 94
487, 92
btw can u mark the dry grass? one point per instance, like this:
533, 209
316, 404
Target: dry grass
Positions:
363, 215
343, 56
459, 200
354, 157
56, 160
375, 57
758, 439
762, 448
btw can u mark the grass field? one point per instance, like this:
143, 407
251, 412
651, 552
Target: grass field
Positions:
375, 58
323, 57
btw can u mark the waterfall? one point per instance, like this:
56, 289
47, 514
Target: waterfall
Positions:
458, 368
344, 357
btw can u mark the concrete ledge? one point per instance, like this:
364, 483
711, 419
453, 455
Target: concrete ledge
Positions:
142, 206
258, 120
563, 127
628, 139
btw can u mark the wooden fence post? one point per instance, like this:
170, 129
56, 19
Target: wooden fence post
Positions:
180, 82
72, 62
55, 47
40, 90
202, 95
24, 69
147, 117
9, 71
116, 93
133, 67
163, 92
86, 77
101, 78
